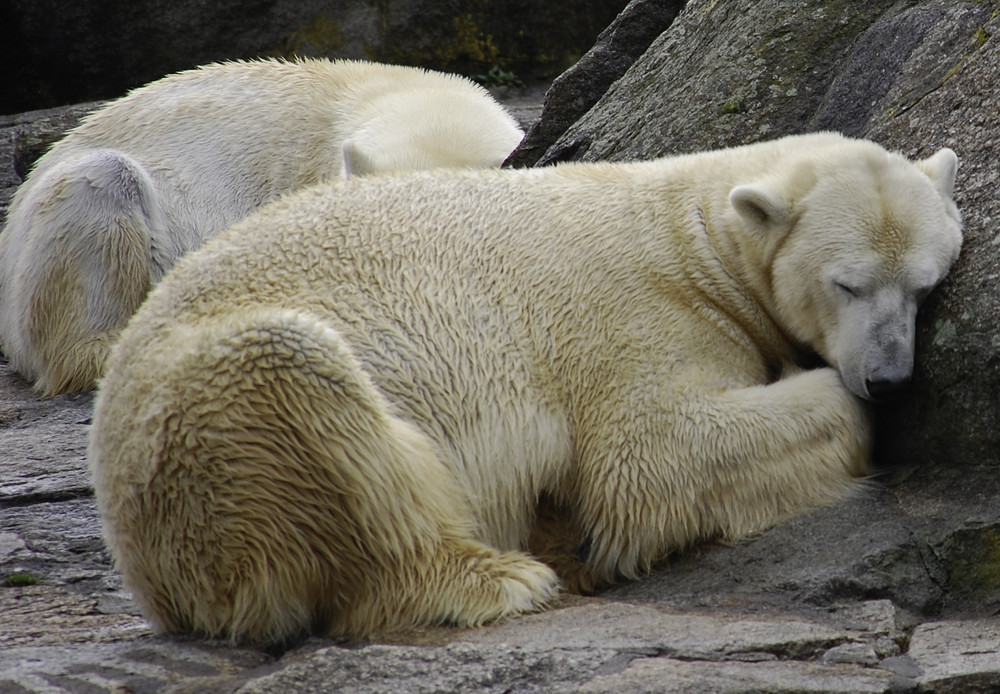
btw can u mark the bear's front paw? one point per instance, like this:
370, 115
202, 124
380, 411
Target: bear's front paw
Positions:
824, 382
528, 585
482, 585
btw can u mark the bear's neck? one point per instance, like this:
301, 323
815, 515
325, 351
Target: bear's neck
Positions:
739, 278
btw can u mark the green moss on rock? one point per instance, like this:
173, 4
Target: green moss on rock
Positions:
19, 579
974, 565
320, 36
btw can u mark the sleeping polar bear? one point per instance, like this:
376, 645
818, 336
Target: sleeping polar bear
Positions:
341, 414
153, 175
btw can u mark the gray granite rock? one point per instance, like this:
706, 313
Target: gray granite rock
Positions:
957, 657
575, 91
24, 137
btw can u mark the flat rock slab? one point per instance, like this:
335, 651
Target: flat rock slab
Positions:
142, 666
663, 675
586, 645
957, 656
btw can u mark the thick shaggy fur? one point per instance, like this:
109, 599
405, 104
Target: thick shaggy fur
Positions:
341, 414
151, 176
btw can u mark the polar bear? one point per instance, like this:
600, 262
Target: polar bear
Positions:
151, 176
341, 414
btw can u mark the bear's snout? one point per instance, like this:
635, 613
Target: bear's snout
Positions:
887, 388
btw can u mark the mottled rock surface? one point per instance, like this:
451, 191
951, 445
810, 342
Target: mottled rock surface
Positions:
575, 91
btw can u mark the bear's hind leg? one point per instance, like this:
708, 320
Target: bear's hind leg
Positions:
93, 219
288, 498
459, 581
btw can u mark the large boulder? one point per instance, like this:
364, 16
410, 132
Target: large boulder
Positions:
61, 53
575, 91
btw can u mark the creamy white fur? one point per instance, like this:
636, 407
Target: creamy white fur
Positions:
342, 413
151, 176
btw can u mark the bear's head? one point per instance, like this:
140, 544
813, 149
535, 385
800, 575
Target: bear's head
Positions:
856, 238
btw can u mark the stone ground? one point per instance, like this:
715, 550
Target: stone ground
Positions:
811, 606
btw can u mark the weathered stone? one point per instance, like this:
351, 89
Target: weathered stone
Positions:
46, 616
857, 653
853, 550
904, 667
957, 657
728, 73
32, 138
668, 676
723, 73
137, 665
460, 667
706, 636
575, 91
599, 646
25, 136
902, 57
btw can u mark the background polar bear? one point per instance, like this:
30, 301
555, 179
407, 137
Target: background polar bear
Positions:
151, 176
341, 414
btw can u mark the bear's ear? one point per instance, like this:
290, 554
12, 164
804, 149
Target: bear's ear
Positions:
761, 207
356, 162
941, 168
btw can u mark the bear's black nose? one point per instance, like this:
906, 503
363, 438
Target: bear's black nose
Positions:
884, 389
